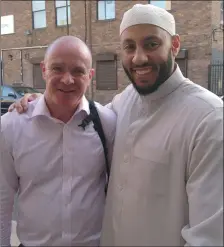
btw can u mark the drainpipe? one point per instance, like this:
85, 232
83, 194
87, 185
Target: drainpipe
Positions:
67, 16
90, 38
21, 65
85, 12
2, 68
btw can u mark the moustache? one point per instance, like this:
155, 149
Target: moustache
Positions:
154, 66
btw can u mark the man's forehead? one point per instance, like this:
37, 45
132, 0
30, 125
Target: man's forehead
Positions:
141, 32
65, 48
66, 55
59, 61
69, 50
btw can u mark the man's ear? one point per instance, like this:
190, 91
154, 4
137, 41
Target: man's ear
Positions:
43, 69
175, 44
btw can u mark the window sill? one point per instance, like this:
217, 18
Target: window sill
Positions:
63, 26
106, 20
40, 29
6, 34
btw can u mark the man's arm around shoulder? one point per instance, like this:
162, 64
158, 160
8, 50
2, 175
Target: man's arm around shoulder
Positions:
116, 103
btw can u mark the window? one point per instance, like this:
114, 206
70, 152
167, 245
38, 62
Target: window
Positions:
165, 4
39, 14
182, 61
182, 65
106, 71
63, 12
106, 10
38, 81
7, 24
6, 91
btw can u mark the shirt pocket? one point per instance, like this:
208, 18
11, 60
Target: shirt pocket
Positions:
152, 167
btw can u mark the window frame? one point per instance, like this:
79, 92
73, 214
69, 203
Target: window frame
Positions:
101, 58
105, 4
56, 15
168, 4
35, 11
36, 85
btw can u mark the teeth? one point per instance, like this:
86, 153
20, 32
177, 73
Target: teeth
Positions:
142, 72
65, 91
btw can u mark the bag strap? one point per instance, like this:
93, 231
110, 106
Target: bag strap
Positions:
99, 129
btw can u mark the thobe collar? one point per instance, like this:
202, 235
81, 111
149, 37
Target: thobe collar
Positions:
170, 85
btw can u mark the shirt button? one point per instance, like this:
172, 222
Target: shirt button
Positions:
125, 158
120, 187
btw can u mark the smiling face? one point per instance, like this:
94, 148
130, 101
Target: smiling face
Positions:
148, 54
67, 72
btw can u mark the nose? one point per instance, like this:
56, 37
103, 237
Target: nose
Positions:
140, 57
67, 78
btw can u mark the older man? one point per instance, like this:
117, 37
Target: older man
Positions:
166, 183
57, 167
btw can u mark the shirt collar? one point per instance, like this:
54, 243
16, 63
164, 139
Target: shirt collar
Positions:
41, 108
170, 85
83, 106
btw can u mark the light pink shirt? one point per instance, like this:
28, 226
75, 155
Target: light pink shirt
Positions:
59, 171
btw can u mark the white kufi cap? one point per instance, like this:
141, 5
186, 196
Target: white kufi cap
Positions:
148, 14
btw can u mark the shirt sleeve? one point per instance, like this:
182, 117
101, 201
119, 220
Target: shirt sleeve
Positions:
8, 189
205, 184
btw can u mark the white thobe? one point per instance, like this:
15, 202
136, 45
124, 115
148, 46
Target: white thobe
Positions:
166, 184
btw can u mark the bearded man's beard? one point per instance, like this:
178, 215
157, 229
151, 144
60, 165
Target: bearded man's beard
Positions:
164, 71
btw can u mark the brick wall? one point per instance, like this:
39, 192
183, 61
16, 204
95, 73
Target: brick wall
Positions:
217, 35
194, 27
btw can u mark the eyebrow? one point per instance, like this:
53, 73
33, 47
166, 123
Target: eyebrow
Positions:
128, 41
151, 37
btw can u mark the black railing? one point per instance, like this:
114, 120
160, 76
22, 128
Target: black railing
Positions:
215, 78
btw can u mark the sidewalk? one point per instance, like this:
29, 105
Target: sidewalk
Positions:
14, 239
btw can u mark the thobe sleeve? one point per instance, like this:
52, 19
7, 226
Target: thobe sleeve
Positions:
109, 105
205, 184
8, 188
115, 104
